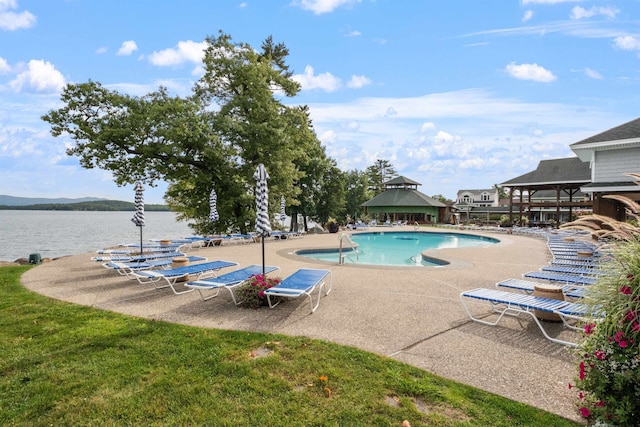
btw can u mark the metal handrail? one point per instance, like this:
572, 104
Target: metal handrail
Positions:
351, 244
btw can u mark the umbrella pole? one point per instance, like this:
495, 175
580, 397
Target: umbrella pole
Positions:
263, 267
140, 240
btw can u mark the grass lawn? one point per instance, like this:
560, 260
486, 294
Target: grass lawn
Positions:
64, 364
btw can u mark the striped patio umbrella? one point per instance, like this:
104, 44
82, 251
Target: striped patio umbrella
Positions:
263, 226
213, 209
283, 214
138, 216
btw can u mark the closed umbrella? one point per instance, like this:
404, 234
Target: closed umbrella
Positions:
138, 216
213, 201
283, 214
263, 226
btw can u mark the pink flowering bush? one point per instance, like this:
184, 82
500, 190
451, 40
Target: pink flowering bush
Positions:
608, 378
251, 293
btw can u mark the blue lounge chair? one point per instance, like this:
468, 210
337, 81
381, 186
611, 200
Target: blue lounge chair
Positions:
127, 268
137, 258
172, 275
227, 281
580, 271
528, 287
560, 277
302, 282
513, 304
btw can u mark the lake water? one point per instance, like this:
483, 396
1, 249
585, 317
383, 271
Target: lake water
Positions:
58, 233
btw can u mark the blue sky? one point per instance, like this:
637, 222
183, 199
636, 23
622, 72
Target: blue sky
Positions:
455, 94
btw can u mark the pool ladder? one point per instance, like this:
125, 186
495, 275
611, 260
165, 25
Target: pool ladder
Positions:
353, 246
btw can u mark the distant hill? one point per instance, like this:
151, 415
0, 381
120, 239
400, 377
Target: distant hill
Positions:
25, 201
93, 205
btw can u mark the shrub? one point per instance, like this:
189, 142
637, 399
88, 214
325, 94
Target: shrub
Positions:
609, 356
251, 293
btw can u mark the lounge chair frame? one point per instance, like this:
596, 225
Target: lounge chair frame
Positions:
514, 304
228, 281
171, 276
303, 282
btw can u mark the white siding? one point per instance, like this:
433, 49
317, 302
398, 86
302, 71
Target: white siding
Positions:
611, 165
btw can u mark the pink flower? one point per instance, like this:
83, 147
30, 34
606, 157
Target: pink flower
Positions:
623, 344
585, 412
635, 327
570, 386
589, 328
618, 336
599, 404
582, 371
600, 355
631, 315
261, 294
625, 290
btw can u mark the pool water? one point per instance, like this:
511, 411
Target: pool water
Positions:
398, 248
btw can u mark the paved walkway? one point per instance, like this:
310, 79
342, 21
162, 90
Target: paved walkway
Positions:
411, 314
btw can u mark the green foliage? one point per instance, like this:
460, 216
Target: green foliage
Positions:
216, 138
251, 293
378, 173
64, 364
609, 356
102, 205
357, 192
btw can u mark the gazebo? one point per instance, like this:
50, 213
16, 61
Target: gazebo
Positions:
401, 201
564, 177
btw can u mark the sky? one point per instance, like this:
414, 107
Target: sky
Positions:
460, 94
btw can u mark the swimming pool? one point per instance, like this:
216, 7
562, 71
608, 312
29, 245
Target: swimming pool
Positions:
401, 248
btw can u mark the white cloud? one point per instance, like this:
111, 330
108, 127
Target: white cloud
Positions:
309, 81
357, 82
187, 51
40, 76
353, 33
4, 66
323, 6
527, 15
580, 12
127, 48
593, 74
530, 72
12, 21
627, 43
243, 5
427, 126
102, 50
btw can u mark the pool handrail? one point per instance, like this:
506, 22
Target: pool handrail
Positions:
353, 247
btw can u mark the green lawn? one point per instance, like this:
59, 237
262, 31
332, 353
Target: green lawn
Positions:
64, 364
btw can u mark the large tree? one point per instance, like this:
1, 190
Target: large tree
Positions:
357, 192
378, 173
215, 138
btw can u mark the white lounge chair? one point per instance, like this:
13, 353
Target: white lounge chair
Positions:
228, 281
514, 304
302, 282
172, 275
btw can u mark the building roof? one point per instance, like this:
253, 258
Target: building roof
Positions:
403, 197
627, 135
401, 180
629, 130
569, 170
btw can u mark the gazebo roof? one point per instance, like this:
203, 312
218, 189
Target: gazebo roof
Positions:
403, 197
565, 171
400, 180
